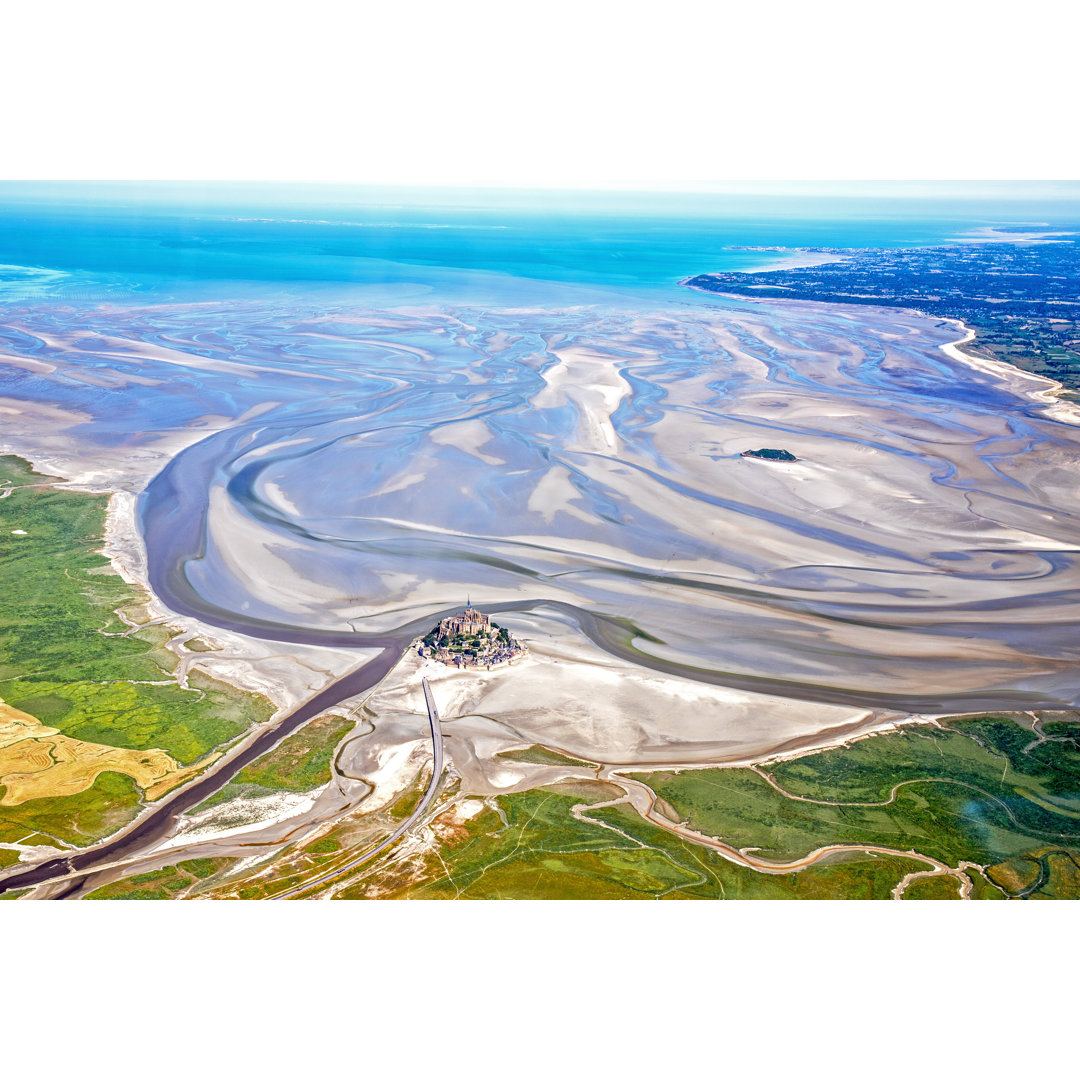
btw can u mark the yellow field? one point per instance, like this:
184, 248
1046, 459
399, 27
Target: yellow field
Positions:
37, 762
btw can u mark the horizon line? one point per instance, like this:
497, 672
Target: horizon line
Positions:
911, 189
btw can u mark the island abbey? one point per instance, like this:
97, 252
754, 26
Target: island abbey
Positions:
469, 639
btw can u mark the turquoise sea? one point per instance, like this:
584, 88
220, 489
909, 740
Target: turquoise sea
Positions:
96, 241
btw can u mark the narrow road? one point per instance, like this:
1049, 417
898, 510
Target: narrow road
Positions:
406, 825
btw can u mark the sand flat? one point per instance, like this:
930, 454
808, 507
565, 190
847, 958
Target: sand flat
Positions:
925, 543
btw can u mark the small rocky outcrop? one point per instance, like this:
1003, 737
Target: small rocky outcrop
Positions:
768, 454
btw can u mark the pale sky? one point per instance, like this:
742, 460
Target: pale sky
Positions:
682, 95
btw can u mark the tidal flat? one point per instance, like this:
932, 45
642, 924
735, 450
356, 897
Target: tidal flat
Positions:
349, 474
309, 485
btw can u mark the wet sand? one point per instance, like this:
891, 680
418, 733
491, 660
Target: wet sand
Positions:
316, 490
922, 552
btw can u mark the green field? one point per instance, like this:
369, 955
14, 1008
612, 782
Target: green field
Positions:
300, 763
544, 852
69, 660
112, 802
983, 790
163, 884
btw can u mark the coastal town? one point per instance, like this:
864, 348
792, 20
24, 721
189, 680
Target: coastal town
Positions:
469, 639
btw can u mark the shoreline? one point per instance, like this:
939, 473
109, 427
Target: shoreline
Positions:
793, 260
283, 672
1049, 395
786, 260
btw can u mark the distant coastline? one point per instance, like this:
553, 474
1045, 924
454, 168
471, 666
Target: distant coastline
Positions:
1017, 296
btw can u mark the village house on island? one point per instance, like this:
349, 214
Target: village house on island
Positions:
469, 639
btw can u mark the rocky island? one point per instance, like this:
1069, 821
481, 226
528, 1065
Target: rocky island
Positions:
771, 455
469, 639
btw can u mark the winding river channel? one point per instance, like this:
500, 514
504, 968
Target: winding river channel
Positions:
921, 555
332, 475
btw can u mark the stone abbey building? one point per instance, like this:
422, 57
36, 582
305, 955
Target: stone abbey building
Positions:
469, 639
469, 622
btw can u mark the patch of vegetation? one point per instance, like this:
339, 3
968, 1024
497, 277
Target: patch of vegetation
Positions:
1046, 874
203, 868
981, 789
999, 752
408, 801
112, 802
1061, 876
299, 763
941, 887
198, 645
231, 791
544, 852
68, 659
540, 755
163, 884
983, 888
302, 761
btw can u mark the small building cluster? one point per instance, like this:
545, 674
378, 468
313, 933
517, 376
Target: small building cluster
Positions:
469, 639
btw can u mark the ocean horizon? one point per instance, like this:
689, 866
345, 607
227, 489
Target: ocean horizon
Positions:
75, 241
